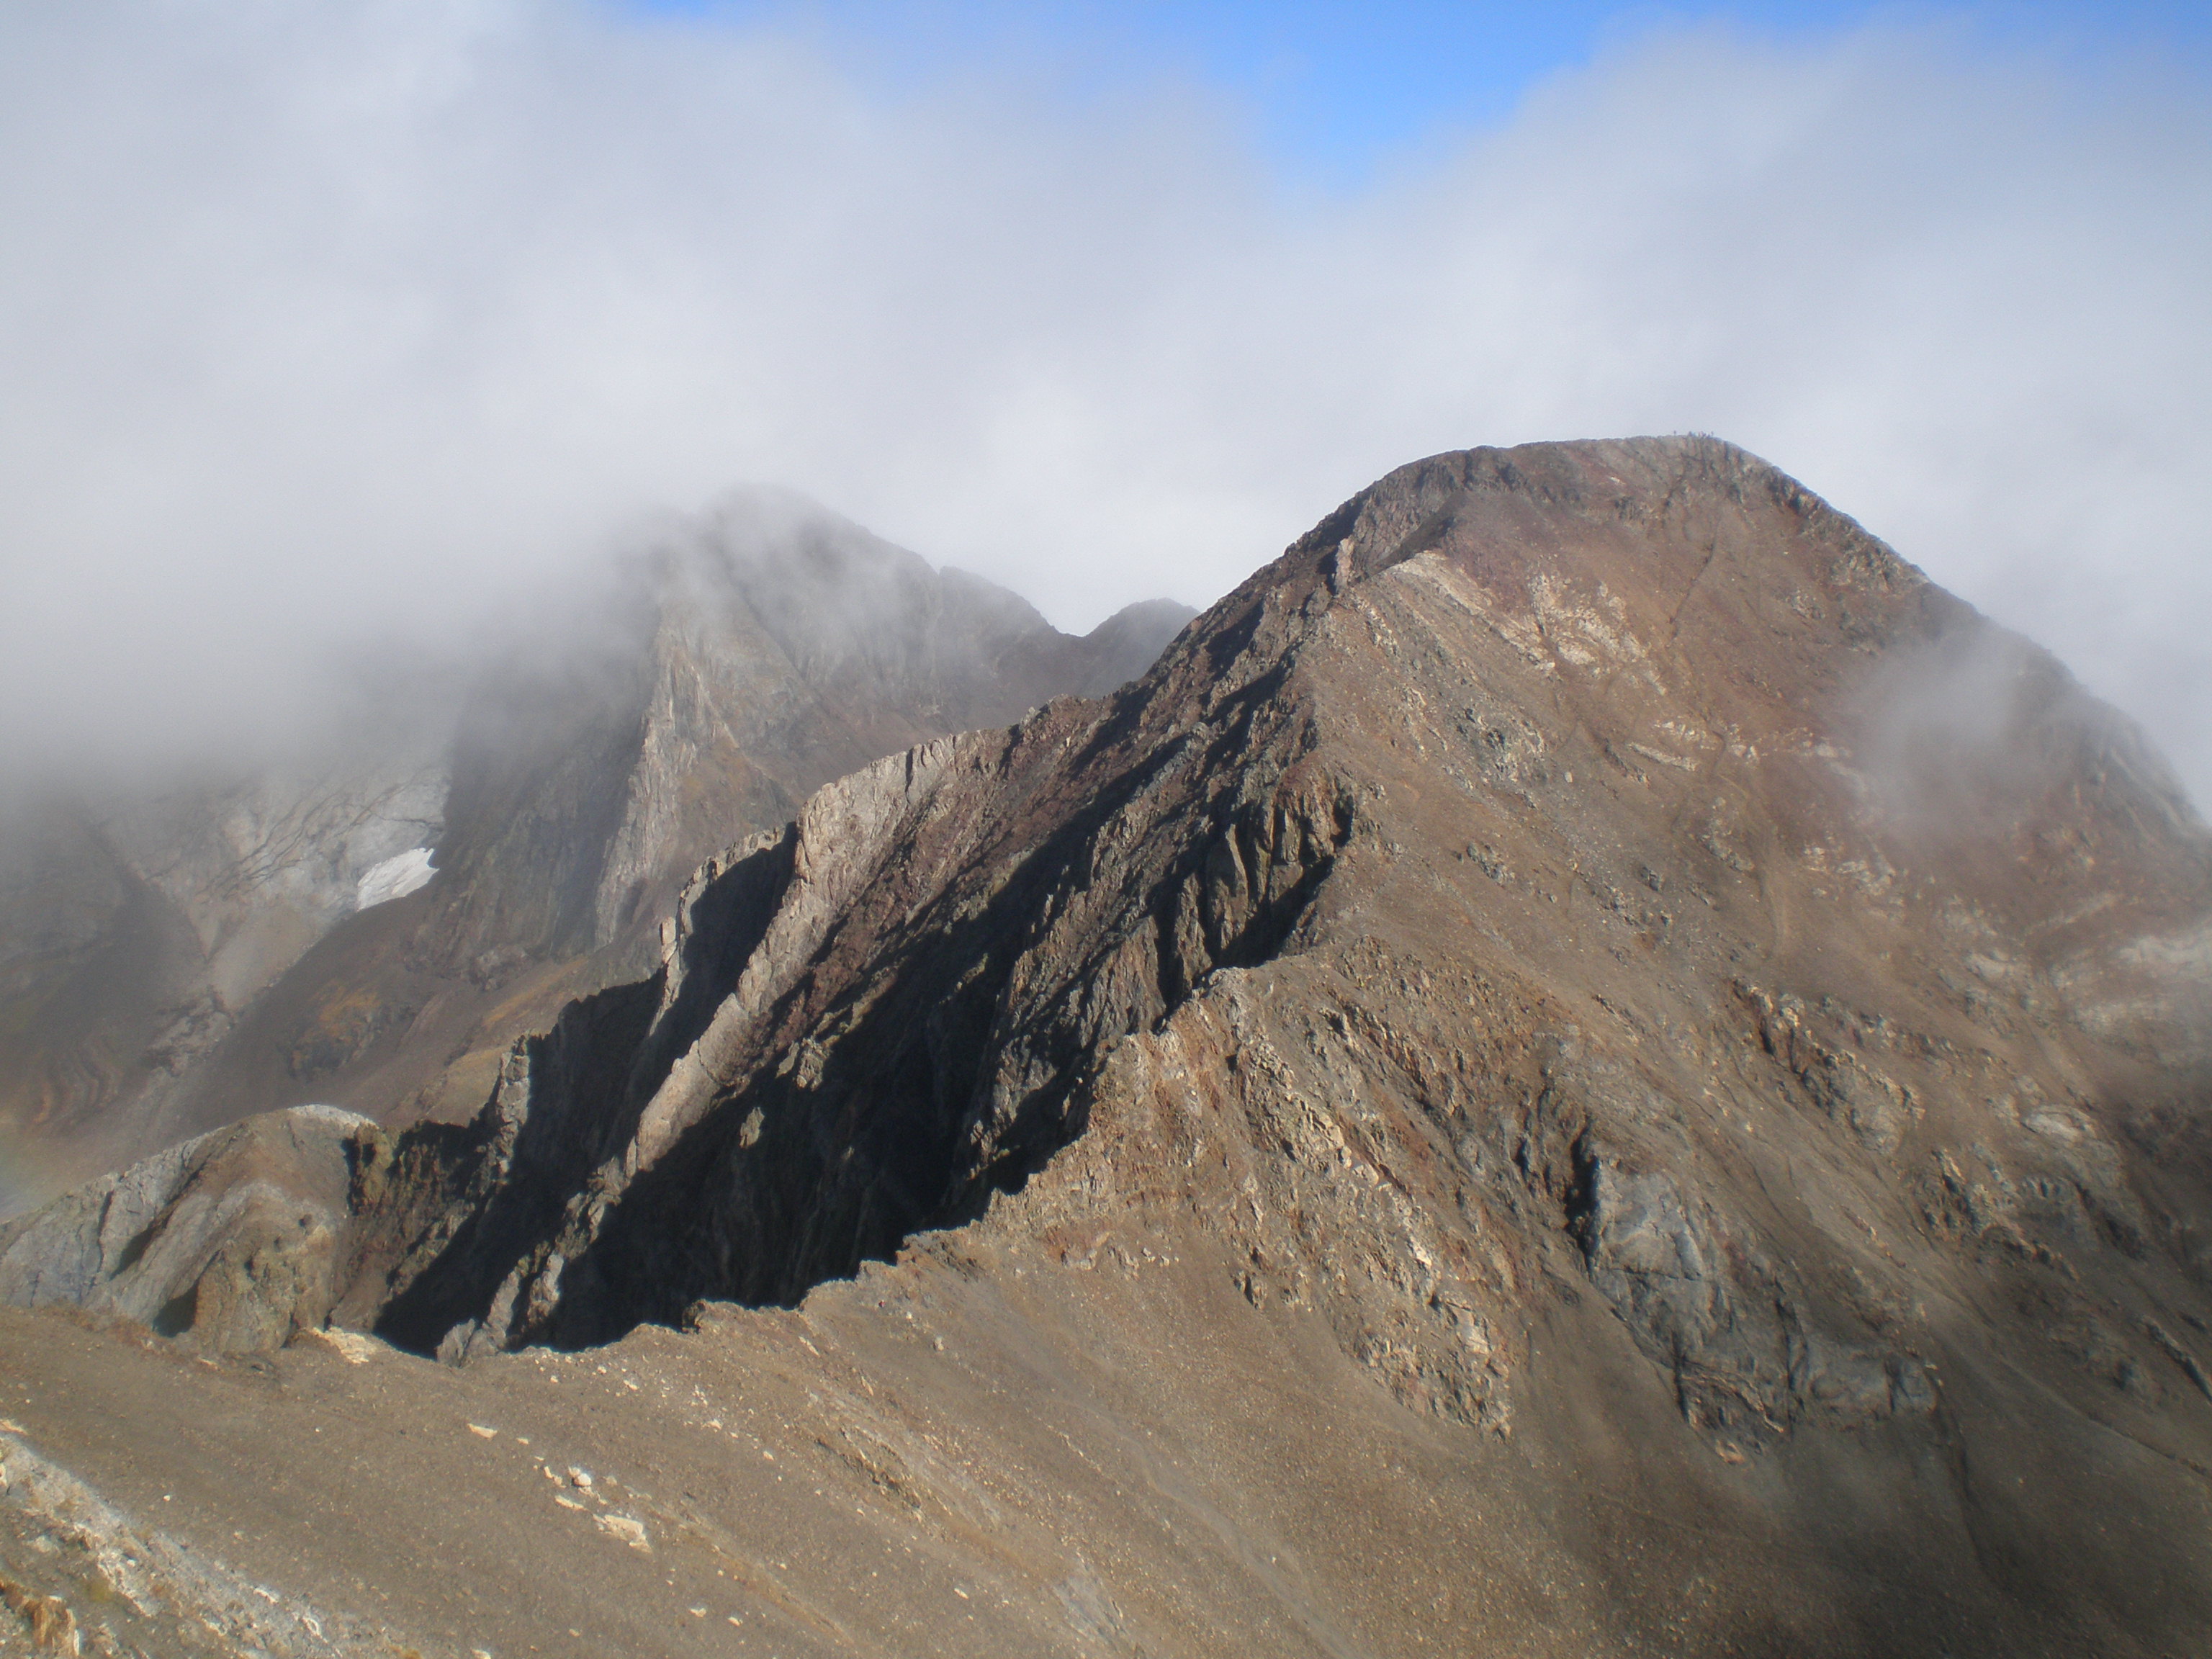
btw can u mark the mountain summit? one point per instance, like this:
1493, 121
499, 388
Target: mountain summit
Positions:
374, 920
1588, 1064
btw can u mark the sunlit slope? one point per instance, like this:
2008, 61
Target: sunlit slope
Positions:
1589, 1065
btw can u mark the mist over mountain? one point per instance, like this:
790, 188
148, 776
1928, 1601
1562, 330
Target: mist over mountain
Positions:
1590, 1064
330, 329
456, 846
1588, 1061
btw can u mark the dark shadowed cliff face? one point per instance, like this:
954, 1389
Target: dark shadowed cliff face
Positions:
1589, 1064
169, 963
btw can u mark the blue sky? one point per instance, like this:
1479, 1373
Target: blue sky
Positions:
1337, 93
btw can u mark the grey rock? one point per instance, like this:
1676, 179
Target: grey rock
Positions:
232, 1236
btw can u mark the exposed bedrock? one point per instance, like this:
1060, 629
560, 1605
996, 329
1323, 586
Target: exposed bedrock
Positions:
1586, 912
171, 960
233, 1237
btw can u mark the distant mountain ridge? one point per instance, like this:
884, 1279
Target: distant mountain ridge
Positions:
172, 961
1589, 1065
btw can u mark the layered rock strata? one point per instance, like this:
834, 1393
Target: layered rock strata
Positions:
230, 1235
169, 964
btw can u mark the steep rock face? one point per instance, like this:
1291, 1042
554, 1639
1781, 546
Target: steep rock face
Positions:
765, 652
1691, 1034
174, 964
1572, 876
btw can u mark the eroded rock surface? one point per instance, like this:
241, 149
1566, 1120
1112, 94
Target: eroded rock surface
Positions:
175, 961
1589, 1064
231, 1236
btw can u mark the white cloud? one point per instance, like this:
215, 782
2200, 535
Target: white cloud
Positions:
323, 322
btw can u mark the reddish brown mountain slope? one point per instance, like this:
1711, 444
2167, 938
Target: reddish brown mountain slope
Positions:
1589, 1065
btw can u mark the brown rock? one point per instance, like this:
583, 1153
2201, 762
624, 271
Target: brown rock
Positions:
173, 959
1589, 1065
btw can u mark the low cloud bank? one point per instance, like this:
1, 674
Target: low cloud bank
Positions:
332, 328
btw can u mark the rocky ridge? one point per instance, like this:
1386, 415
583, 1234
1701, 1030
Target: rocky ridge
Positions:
175, 964
1665, 1012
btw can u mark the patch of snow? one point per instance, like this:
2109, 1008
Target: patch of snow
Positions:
395, 878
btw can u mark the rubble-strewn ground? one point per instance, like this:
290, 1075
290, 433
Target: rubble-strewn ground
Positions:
989, 1451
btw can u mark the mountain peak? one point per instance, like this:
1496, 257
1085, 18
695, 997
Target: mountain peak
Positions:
1587, 1011
216, 958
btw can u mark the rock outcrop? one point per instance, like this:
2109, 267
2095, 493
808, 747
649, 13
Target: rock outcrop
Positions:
231, 1236
173, 963
1694, 1040
136, 929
